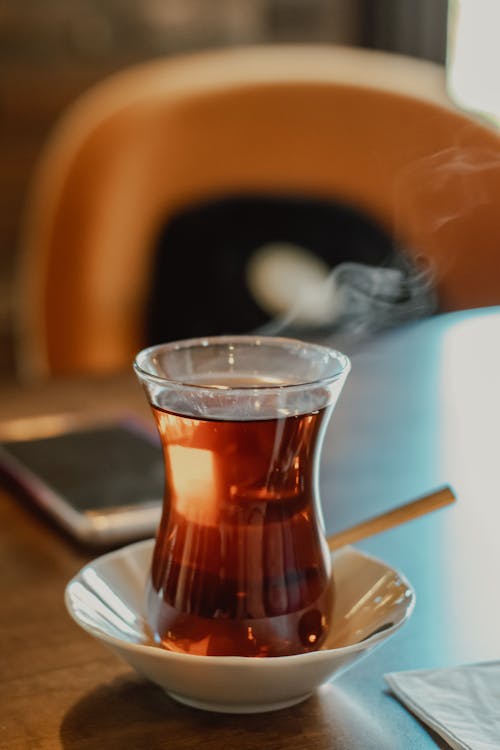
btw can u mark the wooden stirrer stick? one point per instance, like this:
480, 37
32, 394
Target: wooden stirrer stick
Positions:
419, 507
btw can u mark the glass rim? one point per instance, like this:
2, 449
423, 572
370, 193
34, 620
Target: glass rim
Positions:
343, 363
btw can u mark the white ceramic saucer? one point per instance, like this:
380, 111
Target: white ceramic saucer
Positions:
106, 598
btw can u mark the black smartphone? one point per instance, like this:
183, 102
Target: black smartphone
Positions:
102, 482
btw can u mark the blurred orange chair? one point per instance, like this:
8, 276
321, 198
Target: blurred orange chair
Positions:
370, 129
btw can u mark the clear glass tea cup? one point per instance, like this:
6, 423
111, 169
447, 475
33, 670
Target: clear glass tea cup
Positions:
241, 565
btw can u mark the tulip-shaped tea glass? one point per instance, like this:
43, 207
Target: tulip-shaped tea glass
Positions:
241, 565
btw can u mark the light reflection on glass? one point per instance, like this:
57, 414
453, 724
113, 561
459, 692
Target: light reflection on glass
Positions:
192, 476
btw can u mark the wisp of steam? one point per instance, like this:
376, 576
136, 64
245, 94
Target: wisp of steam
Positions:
351, 299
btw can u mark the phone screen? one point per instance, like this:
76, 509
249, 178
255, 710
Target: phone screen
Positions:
95, 469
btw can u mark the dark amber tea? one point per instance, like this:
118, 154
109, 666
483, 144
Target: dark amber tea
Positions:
240, 566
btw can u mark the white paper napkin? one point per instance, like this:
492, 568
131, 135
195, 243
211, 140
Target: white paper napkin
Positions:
461, 704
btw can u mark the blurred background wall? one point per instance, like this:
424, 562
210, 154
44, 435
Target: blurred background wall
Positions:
52, 50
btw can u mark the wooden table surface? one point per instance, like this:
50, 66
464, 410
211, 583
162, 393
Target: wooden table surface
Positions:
421, 408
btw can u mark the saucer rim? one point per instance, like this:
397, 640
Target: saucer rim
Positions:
236, 661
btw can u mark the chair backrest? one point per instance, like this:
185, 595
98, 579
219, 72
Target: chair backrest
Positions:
370, 129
